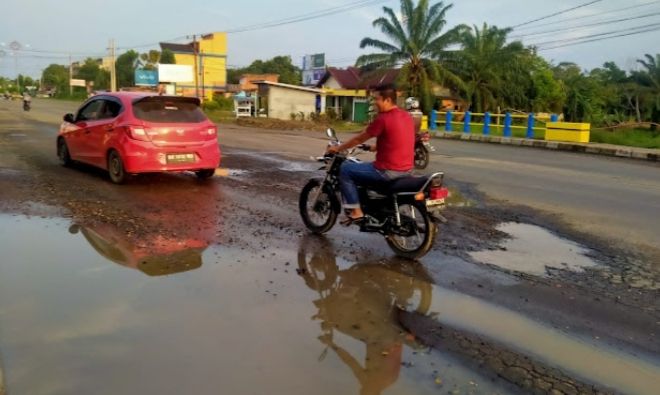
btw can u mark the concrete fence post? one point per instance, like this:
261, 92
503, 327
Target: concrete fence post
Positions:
487, 123
507, 125
466, 122
530, 126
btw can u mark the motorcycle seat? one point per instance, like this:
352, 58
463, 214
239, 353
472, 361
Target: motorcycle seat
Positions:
407, 184
401, 185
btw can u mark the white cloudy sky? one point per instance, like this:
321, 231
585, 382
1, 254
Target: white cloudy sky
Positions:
84, 27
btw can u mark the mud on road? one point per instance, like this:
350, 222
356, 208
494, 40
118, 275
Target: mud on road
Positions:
162, 225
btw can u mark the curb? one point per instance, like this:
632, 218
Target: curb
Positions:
595, 149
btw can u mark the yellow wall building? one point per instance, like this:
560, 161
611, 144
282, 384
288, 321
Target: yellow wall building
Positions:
208, 56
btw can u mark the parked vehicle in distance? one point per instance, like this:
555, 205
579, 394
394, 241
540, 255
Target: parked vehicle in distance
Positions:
128, 133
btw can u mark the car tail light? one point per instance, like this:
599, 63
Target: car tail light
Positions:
138, 133
438, 193
212, 131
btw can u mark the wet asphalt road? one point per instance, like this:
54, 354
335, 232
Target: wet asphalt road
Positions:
170, 285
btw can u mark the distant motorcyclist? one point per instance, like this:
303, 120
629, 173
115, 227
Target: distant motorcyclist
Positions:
27, 101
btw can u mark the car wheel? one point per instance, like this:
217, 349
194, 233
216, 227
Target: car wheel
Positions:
63, 153
116, 168
205, 174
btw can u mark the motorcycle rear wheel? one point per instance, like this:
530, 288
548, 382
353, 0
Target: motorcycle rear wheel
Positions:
422, 232
421, 157
319, 216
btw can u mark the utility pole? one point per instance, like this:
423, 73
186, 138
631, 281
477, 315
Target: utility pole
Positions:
113, 69
195, 65
202, 72
70, 76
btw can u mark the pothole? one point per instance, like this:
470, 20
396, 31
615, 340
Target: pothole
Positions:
533, 249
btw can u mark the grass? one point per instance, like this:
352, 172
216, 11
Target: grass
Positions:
643, 138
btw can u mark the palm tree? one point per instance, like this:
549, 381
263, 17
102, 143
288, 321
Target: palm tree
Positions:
650, 79
415, 40
483, 64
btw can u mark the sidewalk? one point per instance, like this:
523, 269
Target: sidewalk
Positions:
621, 151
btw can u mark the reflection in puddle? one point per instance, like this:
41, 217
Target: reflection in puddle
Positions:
361, 302
532, 249
158, 255
245, 323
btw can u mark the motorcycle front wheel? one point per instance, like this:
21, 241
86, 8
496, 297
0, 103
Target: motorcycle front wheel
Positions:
416, 235
421, 157
318, 207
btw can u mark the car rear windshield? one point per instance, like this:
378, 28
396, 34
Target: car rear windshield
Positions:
168, 110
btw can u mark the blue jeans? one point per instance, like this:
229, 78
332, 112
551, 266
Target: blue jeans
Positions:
353, 174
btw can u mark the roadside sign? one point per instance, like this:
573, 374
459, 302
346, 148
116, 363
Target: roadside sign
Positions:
146, 77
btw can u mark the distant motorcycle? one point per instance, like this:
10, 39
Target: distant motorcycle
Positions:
423, 149
27, 105
406, 210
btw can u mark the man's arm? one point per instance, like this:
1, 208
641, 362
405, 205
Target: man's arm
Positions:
359, 139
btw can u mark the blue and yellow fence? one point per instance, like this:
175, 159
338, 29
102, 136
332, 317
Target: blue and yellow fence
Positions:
527, 126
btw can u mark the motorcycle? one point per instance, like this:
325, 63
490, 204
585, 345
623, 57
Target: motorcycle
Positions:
423, 149
406, 211
26, 105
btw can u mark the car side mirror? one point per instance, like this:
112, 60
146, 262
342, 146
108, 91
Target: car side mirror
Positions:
69, 118
330, 132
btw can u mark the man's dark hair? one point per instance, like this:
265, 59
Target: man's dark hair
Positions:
386, 91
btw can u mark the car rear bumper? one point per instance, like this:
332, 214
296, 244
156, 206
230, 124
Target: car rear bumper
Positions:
145, 157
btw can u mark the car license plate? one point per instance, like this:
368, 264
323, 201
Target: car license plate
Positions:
435, 202
180, 158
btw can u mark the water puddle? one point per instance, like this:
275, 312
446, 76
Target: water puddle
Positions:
73, 320
224, 172
532, 250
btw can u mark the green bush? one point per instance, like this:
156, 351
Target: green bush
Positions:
225, 103
211, 105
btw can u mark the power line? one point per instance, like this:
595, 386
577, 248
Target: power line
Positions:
597, 35
601, 39
584, 26
280, 22
557, 13
591, 16
308, 16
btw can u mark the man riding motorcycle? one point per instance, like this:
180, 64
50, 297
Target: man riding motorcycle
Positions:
27, 101
395, 140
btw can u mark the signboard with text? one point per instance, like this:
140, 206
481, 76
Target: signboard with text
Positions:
313, 68
146, 77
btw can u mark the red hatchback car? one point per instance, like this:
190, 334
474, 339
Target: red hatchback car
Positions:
128, 133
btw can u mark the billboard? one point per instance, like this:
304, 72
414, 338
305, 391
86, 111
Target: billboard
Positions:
77, 82
146, 77
175, 73
312, 77
313, 68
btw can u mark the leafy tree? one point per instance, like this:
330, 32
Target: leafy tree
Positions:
89, 70
649, 78
583, 99
167, 57
282, 65
56, 76
415, 40
150, 59
125, 68
484, 64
